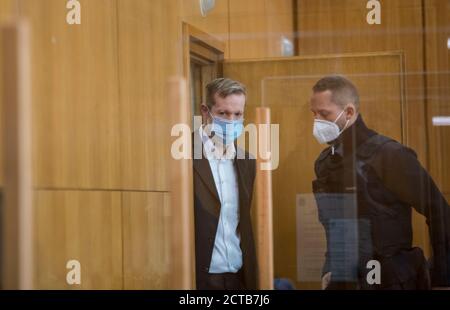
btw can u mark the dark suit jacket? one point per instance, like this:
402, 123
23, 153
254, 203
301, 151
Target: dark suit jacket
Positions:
207, 211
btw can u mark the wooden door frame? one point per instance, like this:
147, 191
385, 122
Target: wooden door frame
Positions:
204, 47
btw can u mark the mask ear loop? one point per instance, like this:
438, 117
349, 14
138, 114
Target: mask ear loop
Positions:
212, 133
346, 124
345, 127
339, 116
341, 131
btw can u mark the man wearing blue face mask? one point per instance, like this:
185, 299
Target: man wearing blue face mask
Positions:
366, 185
223, 185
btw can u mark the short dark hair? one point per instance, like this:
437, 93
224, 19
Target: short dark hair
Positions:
342, 89
223, 87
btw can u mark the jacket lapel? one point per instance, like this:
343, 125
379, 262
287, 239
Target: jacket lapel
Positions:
201, 166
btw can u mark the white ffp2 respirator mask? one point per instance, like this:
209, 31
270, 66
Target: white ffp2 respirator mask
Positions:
326, 131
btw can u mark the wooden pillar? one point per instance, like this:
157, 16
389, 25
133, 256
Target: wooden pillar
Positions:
182, 211
17, 219
263, 212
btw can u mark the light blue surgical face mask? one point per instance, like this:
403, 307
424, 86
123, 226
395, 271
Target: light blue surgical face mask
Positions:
226, 130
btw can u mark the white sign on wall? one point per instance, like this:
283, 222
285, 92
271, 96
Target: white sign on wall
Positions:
311, 240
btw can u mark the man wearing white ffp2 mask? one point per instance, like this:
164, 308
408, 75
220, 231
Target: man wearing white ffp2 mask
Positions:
365, 186
333, 113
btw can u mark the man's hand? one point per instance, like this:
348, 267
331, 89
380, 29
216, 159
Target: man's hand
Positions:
326, 280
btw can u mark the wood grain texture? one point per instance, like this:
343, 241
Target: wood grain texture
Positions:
280, 25
75, 95
257, 27
149, 53
250, 28
7, 10
81, 225
146, 240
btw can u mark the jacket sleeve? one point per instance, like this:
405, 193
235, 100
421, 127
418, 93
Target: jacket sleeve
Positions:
403, 175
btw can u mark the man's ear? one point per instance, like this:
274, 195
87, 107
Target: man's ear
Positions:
351, 110
204, 110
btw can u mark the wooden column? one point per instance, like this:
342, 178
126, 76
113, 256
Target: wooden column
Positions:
182, 211
263, 212
17, 220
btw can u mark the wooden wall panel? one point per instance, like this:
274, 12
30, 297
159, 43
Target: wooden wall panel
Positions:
1, 118
146, 242
438, 88
81, 225
149, 53
280, 24
75, 95
256, 27
251, 28
284, 86
247, 29
100, 118
7, 9
216, 22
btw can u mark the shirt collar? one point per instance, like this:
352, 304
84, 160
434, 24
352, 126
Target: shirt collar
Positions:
214, 150
352, 137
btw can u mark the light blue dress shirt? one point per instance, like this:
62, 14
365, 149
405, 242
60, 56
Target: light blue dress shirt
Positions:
227, 253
